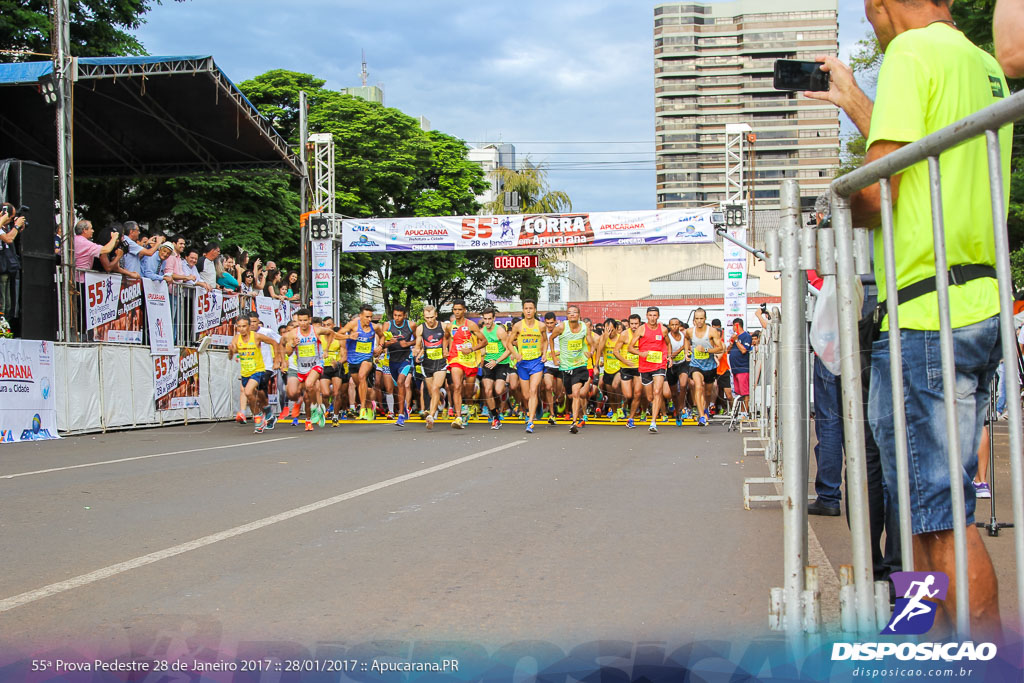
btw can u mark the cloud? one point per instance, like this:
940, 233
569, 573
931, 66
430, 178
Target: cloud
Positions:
532, 70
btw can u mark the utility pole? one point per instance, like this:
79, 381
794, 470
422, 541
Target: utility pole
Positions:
64, 76
304, 195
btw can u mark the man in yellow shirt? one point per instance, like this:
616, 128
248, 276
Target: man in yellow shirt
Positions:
931, 77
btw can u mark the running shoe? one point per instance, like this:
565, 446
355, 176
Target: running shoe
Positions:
457, 423
686, 414
295, 422
630, 424
465, 421
551, 420
352, 412
529, 427
270, 422
702, 421
240, 418
370, 416
485, 412
401, 421
258, 421
619, 414
653, 429
430, 421
981, 490
574, 429
583, 422
334, 420
390, 415
284, 413
614, 416
451, 413
295, 410
309, 426
496, 422
329, 416
679, 422
318, 415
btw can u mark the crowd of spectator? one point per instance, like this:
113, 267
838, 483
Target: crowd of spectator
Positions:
126, 250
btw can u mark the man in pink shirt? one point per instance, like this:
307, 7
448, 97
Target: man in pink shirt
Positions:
86, 250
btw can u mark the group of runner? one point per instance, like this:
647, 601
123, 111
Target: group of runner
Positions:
622, 369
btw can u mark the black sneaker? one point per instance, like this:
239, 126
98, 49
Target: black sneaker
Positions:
819, 508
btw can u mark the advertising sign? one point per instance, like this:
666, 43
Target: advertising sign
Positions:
528, 231
215, 315
735, 280
28, 411
158, 316
176, 380
113, 308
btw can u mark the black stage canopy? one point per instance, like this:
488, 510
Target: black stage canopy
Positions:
136, 116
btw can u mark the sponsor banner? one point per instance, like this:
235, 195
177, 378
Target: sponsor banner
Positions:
321, 250
272, 312
734, 285
528, 231
176, 378
215, 316
113, 309
158, 316
28, 410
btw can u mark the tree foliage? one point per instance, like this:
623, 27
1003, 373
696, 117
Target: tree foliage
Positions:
535, 196
99, 28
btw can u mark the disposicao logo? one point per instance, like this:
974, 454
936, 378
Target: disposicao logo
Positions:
914, 614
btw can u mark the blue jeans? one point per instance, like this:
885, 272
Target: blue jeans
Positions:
1001, 401
828, 432
977, 350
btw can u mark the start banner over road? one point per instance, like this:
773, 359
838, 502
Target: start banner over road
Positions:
528, 231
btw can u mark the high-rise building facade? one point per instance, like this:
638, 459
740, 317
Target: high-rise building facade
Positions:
713, 65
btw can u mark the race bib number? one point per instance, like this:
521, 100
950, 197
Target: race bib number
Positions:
364, 347
632, 358
575, 345
681, 356
654, 356
435, 353
493, 348
700, 353
530, 349
468, 359
307, 351
247, 359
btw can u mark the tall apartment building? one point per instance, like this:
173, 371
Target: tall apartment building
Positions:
713, 65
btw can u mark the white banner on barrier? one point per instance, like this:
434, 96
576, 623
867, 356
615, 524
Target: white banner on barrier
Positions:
272, 312
528, 231
28, 411
176, 378
113, 308
158, 317
207, 313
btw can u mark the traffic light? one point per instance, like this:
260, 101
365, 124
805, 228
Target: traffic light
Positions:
735, 215
319, 227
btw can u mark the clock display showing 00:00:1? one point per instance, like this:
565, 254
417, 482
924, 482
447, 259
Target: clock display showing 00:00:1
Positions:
511, 262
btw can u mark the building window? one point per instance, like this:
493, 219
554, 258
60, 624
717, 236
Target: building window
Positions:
554, 291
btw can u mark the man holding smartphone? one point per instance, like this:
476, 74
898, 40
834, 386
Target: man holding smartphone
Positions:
932, 77
11, 225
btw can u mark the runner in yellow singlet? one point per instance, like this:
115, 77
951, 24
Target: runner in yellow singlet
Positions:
246, 345
526, 345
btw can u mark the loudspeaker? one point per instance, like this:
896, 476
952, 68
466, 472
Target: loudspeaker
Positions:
31, 184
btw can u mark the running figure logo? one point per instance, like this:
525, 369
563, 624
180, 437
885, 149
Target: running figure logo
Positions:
912, 615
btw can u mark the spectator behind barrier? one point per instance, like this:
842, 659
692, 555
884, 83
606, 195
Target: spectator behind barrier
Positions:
208, 269
11, 225
86, 250
932, 77
190, 270
135, 251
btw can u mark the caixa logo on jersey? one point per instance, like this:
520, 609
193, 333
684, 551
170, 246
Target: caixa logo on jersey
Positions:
562, 230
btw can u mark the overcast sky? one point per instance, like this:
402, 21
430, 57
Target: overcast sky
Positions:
541, 74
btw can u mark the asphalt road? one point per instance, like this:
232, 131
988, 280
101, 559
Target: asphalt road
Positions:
366, 533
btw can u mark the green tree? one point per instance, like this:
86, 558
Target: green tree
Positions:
535, 196
99, 28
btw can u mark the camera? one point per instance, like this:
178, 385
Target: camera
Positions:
792, 75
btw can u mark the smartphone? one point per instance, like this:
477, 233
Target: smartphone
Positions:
799, 76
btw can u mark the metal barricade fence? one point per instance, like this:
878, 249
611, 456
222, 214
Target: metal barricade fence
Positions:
845, 252
133, 326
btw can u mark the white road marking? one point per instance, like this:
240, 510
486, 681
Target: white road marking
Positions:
143, 457
122, 567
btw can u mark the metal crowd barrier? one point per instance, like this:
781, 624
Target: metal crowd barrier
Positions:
845, 252
182, 301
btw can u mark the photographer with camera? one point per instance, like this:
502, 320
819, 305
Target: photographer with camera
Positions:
134, 252
12, 224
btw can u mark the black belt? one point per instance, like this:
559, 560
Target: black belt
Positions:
958, 275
